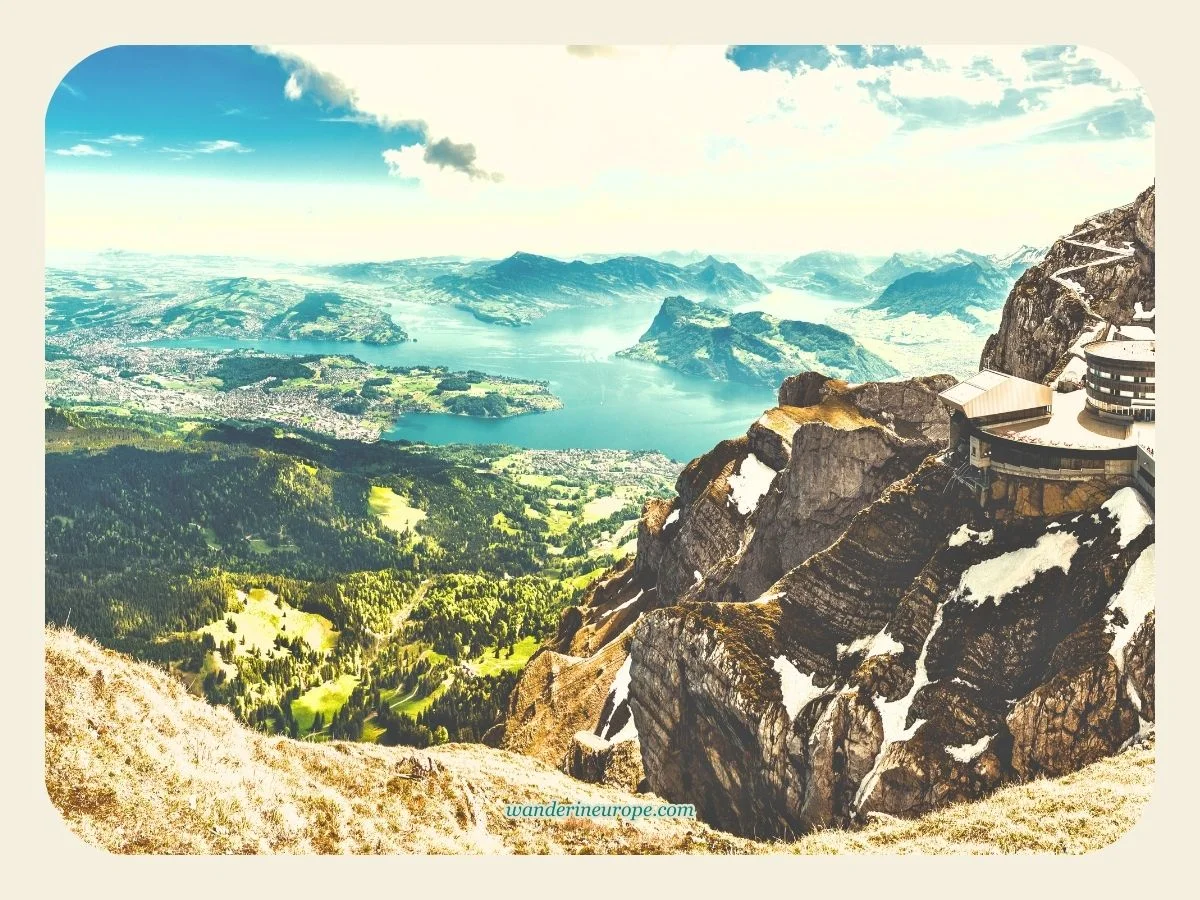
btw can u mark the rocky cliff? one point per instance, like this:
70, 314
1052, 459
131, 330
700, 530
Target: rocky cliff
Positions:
1103, 271
923, 658
746, 512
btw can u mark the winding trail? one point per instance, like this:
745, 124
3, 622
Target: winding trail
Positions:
1115, 254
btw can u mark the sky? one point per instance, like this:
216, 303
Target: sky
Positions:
327, 153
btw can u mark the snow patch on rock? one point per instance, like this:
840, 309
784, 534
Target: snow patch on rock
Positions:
798, 688
995, 578
967, 752
767, 598
893, 714
1131, 513
1135, 600
619, 692
965, 534
752, 480
635, 599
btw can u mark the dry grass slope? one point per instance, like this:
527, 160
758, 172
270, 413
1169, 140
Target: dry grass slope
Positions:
1083, 811
135, 765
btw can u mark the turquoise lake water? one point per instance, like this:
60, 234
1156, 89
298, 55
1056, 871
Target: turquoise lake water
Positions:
608, 402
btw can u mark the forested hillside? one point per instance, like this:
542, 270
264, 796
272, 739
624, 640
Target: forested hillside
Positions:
321, 587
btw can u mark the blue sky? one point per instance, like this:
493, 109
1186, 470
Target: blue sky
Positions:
207, 110
378, 152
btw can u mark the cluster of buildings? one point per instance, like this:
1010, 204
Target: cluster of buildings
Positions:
1003, 425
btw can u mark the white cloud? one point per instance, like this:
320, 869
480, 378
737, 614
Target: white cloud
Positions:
82, 150
546, 117
218, 146
643, 149
130, 139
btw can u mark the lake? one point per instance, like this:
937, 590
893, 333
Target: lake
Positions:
608, 403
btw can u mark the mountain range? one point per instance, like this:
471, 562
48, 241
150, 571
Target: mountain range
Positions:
952, 289
849, 276
516, 290
237, 307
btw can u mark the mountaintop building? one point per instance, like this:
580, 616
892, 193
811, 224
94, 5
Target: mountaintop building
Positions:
1001, 425
1120, 379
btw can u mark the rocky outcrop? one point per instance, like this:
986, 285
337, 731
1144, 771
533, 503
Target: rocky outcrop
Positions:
820, 456
557, 696
746, 513
597, 761
755, 506
1102, 272
839, 460
925, 657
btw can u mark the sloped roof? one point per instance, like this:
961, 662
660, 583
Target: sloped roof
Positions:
994, 393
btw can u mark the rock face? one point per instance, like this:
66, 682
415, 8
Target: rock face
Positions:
557, 696
922, 659
757, 505
1102, 271
745, 513
1014, 497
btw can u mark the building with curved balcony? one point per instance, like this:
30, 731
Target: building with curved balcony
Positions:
1120, 380
1004, 426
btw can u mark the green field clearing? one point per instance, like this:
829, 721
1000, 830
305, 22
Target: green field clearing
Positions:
371, 732
579, 582
411, 704
325, 699
535, 481
602, 508
502, 524
392, 510
264, 616
487, 663
558, 521
259, 546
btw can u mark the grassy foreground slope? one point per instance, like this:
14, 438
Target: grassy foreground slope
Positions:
135, 765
